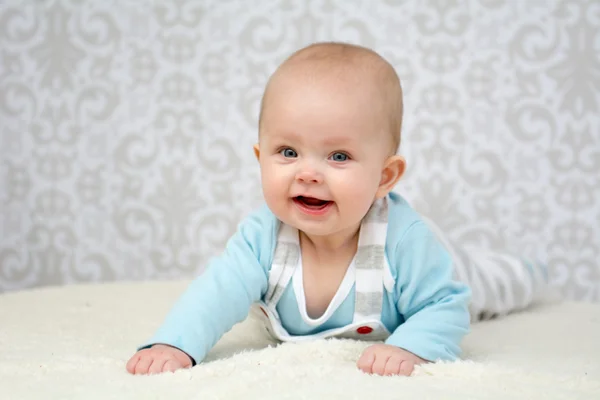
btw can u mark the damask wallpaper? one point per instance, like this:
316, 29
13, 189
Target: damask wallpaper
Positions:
126, 127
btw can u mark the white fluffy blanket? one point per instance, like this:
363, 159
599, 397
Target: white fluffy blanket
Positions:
73, 342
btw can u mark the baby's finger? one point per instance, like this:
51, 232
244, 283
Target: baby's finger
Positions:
365, 362
407, 367
143, 365
157, 366
392, 367
132, 363
379, 364
172, 366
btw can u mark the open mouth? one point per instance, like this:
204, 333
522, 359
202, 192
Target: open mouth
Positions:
311, 202
312, 205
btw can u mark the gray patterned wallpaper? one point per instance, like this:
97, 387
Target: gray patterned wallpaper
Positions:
126, 127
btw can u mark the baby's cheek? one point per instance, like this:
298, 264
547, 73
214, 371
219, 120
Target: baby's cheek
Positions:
356, 192
276, 195
272, 183
359, 184
272, 197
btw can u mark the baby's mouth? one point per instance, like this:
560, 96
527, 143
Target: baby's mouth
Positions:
311, 202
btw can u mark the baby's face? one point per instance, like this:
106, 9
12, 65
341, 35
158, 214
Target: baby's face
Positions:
322, 150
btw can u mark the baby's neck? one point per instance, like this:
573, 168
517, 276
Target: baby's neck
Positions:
326, 246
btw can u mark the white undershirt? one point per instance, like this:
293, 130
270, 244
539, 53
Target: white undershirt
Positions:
338, 298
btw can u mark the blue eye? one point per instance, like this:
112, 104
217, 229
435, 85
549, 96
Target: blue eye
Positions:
288, 153
339, 157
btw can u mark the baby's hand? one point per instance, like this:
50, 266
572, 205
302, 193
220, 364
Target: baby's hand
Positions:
158, 358
384, 359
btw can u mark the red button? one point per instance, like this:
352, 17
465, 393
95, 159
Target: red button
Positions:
364, 330
263, 310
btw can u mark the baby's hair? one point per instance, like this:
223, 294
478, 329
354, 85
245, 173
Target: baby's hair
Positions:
345, 57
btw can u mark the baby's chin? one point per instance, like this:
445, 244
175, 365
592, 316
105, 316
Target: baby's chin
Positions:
322, 229
314, 230
308, 226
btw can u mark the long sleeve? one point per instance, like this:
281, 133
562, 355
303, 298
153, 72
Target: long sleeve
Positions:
221, 296
434, 306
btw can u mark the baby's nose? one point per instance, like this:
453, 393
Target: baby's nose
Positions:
308, 175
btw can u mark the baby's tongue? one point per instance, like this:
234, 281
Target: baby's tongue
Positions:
311, 201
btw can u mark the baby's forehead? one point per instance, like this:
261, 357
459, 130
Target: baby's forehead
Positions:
346, 88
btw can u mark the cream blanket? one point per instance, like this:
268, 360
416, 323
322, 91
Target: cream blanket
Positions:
73, 342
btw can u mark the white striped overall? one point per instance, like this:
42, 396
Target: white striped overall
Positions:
371, 272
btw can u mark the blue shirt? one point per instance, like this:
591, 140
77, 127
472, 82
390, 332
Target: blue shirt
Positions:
427, 312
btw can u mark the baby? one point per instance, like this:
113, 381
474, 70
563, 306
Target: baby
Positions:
333, 253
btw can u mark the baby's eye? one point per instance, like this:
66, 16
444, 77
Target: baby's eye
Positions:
288, 153
339, 157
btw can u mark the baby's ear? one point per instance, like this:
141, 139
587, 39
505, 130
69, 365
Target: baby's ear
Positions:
257, 151
393, 170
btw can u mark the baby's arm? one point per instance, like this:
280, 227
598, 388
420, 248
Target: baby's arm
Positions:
212, 304
434, 306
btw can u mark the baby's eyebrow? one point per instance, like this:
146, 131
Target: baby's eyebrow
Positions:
285, 135
324, 140
336, 140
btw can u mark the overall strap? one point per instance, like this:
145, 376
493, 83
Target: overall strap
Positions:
285, 260
370, 263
